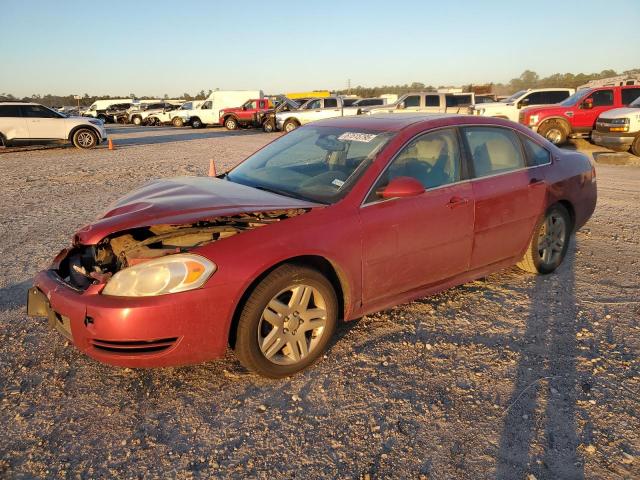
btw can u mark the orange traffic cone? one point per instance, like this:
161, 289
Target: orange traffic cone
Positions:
212, 168
111, 146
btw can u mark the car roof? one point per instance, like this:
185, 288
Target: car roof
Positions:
18, 103
394, 122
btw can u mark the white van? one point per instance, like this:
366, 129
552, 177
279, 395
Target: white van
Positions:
208, 113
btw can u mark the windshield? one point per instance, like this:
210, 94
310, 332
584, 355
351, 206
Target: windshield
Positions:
514, 97
312, 163
635, 103
575, 98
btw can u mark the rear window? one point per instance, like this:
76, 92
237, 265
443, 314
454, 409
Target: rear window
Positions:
330, 102
629, 95
9, 110
536, 155
432, 100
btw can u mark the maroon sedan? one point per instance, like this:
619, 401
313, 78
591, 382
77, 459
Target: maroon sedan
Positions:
334, 220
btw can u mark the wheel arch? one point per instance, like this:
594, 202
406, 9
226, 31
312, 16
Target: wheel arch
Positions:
88, 127
329, 269
565, 123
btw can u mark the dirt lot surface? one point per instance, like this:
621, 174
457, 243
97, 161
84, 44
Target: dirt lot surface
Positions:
510, 377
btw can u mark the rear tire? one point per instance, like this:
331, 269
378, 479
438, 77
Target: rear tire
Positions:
177, 122
268, 127
85, 138
554, 131
196, 123
635, 146
287, 322
549, 243
136, 121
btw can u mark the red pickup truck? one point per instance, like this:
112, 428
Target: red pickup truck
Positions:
247, 114
576, 116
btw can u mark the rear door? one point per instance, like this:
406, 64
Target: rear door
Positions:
509, 196
12, 124
43, 123
433, 103
584, 119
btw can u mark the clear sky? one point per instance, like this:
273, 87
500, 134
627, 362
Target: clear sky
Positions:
167, 46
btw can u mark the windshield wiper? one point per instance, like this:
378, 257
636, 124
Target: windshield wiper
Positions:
285, 193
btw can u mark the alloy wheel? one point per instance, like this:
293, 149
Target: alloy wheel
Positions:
552, 239
85, 139
292, 324
554, 135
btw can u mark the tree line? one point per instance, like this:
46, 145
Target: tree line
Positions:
528, 79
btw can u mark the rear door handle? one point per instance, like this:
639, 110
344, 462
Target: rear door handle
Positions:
457, 201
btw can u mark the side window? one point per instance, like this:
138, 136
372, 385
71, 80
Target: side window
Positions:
536, 98
629, 95
432, 158
493, 150
432, 100
206, 105
602, 98
313, 105
536, 155
557, 96
412, 101
10, 111
37, 111
330, 102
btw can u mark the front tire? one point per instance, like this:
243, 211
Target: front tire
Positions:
137, 121
554, 131
287, 322
268, 126
635, 146
231, 123
85, 138
290, 125
549, 243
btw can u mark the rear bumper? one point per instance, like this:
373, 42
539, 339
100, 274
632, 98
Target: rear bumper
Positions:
168, 330
612, 139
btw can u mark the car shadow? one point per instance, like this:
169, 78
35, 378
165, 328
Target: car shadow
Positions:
546, 385
180, 137
14, 295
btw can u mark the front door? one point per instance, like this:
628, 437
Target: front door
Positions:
584, 118
418, 241
509, 197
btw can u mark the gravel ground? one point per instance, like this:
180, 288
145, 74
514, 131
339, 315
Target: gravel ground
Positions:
511, 377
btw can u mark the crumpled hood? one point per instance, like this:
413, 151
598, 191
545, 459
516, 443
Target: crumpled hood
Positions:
183, 200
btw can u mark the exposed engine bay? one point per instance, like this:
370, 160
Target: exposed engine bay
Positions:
95, 264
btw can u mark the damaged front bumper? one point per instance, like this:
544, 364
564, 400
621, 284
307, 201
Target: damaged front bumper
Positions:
167, 330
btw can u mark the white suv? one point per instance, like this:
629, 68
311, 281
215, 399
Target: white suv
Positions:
509, 108
33, 123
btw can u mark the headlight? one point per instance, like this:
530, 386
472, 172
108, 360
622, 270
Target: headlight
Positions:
617, 121
97, 122
533, 119
170, 274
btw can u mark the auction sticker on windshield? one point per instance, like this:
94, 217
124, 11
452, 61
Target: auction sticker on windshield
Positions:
357, 137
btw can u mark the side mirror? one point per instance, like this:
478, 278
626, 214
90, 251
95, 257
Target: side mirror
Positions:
401, 106
588, 104
523, 103
401, 187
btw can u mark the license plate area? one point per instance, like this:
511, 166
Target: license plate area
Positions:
38, 305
